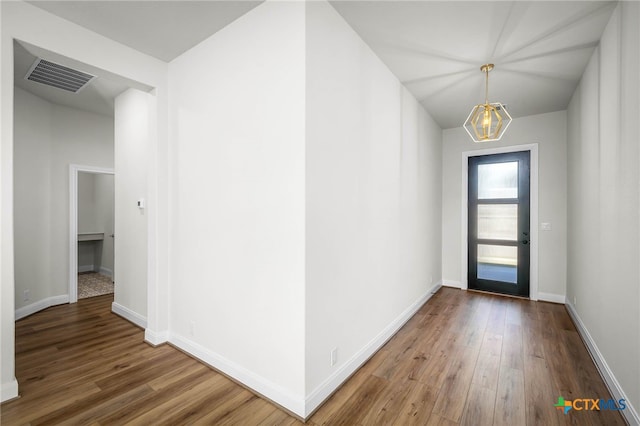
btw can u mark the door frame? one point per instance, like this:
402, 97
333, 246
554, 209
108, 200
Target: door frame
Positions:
464, 202
74, 169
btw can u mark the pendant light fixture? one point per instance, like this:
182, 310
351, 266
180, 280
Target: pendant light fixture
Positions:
487, 122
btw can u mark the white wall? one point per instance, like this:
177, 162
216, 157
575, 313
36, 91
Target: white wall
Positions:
237, 230
373, 177
21, 21
52, 137
105, 213
368, 177
86, 221
79, 137
132, 125
87, 251
96, 214
549, 132
603, 276
86, 203
32, 198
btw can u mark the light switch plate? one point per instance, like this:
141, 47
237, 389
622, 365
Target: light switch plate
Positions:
545, 226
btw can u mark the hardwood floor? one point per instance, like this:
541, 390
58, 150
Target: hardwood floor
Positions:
464, 358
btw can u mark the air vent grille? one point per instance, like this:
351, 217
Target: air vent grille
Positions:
59, 76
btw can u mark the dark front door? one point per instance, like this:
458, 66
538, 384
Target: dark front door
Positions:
499, 242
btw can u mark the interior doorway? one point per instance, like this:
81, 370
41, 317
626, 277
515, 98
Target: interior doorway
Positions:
499, 223
91, 228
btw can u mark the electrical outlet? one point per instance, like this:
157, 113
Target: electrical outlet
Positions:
192, 328
334, 356
27, 295
574, 301
431, 279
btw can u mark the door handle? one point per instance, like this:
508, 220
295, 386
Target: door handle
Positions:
525, 241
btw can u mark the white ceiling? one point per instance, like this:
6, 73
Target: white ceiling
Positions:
163, 29
436, 48
540, 48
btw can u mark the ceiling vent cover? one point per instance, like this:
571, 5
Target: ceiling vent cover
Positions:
59, 76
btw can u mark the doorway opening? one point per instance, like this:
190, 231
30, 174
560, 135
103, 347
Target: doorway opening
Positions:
91, 231
499, 223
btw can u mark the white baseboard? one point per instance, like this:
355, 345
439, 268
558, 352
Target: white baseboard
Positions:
551, 297
630, 413
156, 338
260, 385
9, 390
25, 311
296, 404
451, 283
86, 268
91, 268
333, 382
129, 315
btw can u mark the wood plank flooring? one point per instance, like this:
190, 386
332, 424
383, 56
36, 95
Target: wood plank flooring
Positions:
464, 358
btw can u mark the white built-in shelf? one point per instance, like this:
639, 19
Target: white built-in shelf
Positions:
91, 236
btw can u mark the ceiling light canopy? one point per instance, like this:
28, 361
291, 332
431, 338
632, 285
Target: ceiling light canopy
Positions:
487, 122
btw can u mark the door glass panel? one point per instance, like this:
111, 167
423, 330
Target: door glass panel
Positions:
498, 263
498, 221
498, 180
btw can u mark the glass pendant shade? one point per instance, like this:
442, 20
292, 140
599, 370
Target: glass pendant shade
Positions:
487, 122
